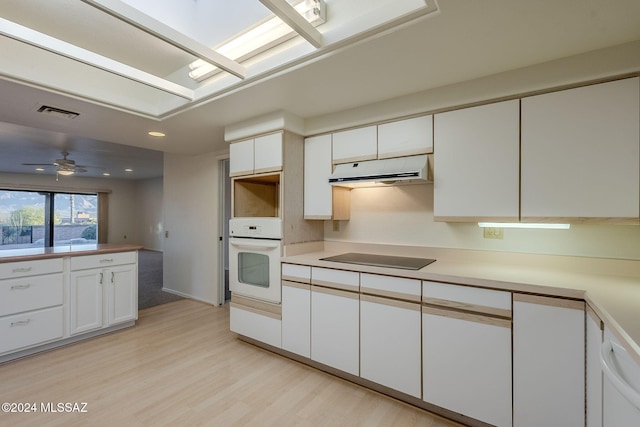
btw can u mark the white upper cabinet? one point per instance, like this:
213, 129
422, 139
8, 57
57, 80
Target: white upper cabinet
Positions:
317, 169
268, 153
580, 150
395, 139
241, 158
477, 163
405, 137
253, 156
355, 145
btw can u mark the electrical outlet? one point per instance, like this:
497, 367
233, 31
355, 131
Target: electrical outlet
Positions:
493, 233
336, 225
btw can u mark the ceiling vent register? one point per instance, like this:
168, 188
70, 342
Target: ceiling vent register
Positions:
57, 112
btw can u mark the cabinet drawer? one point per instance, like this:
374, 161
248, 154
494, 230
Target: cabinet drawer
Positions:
27, 329
30, 293
296, 273
394, 287
338, 279
487, 301
10, 270
259, 325
103, 260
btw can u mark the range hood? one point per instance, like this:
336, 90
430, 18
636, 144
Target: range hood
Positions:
400, 170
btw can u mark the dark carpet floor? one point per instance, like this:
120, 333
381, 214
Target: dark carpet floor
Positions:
150, 291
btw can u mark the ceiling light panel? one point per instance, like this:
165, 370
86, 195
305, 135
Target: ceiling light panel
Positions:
262, 36
144, 22
87, 27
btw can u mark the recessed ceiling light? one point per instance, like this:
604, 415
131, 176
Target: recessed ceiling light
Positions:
156, 133
128, 170
106, 174
40, 169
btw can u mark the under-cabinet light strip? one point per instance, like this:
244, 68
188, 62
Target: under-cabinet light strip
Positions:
524, 225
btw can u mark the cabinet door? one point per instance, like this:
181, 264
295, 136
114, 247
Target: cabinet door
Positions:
405, 137
390, 343
466, 362
241, 158
317, 169
355, 145
335, 325
296, 318
594, 372
268, 153
548, 362
478, 166
122, 301
85, 300
580, 152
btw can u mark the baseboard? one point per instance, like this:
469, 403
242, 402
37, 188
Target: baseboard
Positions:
183, 295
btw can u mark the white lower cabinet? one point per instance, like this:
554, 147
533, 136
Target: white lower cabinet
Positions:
466, 356
31, 328
101, 297
548, 362
335, 328
390, 343
255, 323
31, 303
390, 332
296, 318
594, 333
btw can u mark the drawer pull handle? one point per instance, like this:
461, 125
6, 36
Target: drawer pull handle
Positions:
106, 260
22, 269
16, 287
21, 323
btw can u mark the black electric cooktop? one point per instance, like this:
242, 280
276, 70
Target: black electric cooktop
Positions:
402, 262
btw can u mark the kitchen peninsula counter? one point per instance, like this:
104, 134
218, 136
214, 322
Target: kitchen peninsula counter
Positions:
55, 296
29, 254
611, 287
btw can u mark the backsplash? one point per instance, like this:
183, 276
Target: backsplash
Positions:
403, 215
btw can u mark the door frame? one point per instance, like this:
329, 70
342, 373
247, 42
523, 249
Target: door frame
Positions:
224, 214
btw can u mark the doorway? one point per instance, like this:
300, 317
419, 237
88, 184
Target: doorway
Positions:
224, 215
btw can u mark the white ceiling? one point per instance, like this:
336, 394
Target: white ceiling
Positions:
464, 40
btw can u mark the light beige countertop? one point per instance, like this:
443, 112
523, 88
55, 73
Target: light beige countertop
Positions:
30, 254
610, 286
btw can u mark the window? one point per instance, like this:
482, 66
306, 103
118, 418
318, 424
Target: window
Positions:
43, 219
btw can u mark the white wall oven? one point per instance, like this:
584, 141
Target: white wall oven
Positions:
255, 247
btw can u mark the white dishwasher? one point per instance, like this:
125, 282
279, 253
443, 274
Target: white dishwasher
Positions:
621, 386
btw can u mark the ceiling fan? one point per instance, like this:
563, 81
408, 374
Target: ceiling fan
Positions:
63, 166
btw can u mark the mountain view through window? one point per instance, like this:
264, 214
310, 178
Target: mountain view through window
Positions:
42, 219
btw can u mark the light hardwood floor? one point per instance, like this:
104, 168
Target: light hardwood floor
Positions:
180, 366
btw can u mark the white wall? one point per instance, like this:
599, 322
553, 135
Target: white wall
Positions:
571, 70
403, 215
149, 213
123, 199
190, 209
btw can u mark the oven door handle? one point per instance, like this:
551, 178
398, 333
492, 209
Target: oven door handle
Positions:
256, 246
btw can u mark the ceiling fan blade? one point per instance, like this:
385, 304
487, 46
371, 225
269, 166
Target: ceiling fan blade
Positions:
37, 164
